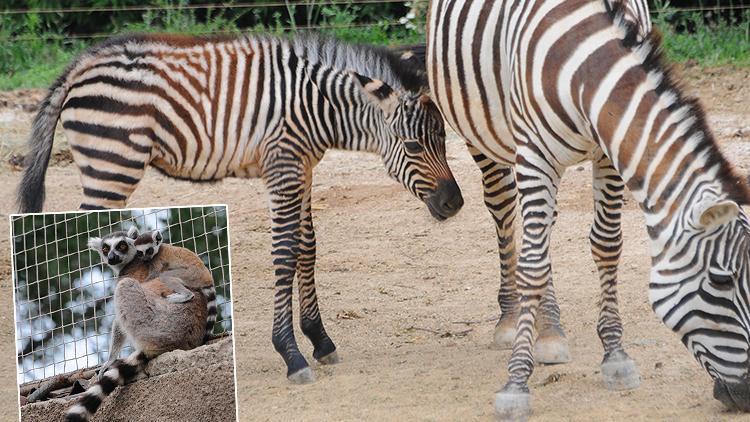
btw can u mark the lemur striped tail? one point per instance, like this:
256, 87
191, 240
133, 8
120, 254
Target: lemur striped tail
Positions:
210, 294
121, 372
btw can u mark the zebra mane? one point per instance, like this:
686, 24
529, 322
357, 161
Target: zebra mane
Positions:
371, 61
650, 49
368, 60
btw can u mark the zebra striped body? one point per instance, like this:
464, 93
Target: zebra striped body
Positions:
538, 86
250, 106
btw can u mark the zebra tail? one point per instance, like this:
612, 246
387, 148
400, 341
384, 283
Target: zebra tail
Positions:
31, 190
210, 294
121, 372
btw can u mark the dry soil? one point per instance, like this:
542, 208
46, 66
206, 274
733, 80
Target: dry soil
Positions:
395, 286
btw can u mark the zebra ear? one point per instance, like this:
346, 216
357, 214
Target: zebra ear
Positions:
378, 92
711, 213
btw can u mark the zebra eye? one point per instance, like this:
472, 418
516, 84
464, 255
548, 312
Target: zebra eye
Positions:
413, 146
720, 279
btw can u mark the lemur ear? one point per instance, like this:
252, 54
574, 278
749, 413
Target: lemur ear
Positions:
712, 213
133, 232
95, 243
156, 236
378, 92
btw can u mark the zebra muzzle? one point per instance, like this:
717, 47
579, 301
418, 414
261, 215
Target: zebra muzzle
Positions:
735, 396
446, 201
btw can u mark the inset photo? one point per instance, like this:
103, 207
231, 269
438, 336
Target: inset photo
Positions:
124, 315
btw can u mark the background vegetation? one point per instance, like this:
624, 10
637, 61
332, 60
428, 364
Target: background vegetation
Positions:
63, 293
36, 44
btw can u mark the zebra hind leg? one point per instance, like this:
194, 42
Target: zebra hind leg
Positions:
618, 369
500, 193
551, 344
537, 180
310, 320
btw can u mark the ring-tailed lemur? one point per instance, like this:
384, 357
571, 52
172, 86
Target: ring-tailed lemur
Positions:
175, 265
145, 315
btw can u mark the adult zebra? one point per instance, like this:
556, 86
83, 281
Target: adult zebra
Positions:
551, 345
537, 86
248, 106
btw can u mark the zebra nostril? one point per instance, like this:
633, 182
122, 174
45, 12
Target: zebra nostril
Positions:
449, 198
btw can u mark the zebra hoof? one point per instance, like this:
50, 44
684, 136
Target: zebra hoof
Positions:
551, 348
620, 373
303, 376
330, 359
505, 334
512, 406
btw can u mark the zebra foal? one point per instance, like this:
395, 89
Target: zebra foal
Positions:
537, 86
248, 106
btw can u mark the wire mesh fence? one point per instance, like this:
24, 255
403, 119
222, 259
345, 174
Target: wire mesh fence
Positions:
64, 302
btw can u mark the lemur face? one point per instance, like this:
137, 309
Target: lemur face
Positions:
147, 245
116, 249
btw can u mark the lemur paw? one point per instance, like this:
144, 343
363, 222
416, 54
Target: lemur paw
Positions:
101, 371
180, 297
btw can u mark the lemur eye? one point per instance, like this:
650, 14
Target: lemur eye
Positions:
720, 279
413, 146
105, 249
122, 246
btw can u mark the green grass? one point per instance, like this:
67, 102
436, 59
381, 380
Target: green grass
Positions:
39, 56
708, 45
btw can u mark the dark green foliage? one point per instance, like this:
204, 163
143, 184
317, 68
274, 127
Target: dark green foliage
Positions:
708, 38
36, 47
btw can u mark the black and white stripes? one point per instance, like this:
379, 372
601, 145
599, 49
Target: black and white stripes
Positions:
119, 373
540, 85
247, 106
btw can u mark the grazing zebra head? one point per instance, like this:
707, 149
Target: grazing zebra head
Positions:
700, 237
701, 290
412, 145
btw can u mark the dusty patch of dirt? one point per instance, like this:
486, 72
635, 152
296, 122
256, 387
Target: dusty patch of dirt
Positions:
394, 284
182, 385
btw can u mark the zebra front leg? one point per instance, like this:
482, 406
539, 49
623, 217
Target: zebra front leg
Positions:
310, 321
284, 177
618, 369
537, 183
500, 192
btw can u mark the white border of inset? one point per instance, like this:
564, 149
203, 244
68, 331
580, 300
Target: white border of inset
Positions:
231, 284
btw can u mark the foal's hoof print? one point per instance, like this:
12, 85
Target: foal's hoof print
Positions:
512, 406
330, 359
620, 373
551, 347
303, 376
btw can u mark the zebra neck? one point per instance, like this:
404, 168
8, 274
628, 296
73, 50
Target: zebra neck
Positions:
360, 125
662, 148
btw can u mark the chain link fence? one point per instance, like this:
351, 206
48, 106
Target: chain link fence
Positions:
64, 303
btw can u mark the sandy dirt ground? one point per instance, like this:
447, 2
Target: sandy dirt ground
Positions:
177, 389
394, 285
